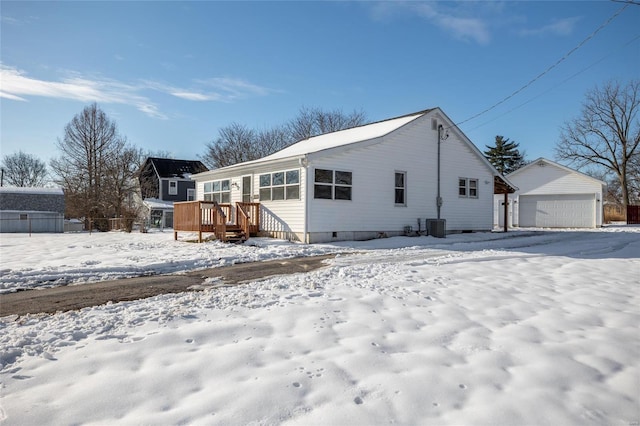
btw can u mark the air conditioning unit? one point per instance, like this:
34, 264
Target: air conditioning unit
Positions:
436, 227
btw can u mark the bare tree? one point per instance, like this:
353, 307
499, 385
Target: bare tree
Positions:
22, 169
123, 173
237, 143
314, 121
606, 134
95, 167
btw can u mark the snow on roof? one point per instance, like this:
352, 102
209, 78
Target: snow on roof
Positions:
30, 190
344, 137
339, 138
154, 203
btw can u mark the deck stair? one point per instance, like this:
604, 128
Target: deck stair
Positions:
212, 217
235, 234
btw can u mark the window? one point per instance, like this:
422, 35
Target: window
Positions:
191, 194
283, 185
468, 188
332, 185
24, 216
246, 189
173, 187
400, 188
218, 190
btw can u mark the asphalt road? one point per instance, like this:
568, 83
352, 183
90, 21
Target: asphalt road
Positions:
67, 298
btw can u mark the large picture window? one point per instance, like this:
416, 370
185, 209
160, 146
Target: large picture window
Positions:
332, 184
218, 190
468, 188
283, 185
401, 188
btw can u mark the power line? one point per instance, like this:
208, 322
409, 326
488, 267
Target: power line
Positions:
561, 83
582, 43
627, 1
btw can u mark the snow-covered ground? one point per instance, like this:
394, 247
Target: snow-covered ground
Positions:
528, 327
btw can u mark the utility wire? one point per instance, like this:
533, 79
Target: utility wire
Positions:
582, 43
561, 83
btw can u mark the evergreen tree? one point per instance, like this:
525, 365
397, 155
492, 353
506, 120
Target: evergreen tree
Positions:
505, 156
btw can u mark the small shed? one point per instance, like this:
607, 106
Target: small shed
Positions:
551, 195
159, 212
27, 210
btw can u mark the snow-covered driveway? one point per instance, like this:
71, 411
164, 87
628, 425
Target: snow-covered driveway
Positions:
524, 328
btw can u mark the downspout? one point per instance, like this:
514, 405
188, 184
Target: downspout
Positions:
304, 162
438, 197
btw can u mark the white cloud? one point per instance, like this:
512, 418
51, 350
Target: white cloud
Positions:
468, 21
234, 88
218, 89
10, 96
192, 96
560, 27
16, 85
460, 21
465, 28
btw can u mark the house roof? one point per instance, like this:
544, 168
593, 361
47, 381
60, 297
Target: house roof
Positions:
154, 203
30, 190
366, 132
170, 168
542, 160
336, 139
345, 137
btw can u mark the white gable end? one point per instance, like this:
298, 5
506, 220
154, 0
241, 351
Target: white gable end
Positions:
545, 177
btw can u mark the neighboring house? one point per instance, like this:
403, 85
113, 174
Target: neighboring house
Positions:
164, 181
551, 195
364, 182
30, 210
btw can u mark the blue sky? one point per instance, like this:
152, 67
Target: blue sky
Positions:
171, 74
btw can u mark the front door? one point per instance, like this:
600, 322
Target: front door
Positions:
246, 189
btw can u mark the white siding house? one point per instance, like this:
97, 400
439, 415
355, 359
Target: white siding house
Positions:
361, 183
551, 195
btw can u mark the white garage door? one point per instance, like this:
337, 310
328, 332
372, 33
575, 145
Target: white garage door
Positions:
558, 211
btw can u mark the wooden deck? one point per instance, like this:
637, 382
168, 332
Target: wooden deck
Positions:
212, 217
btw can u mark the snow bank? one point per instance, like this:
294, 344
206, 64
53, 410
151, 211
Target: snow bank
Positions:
527, 328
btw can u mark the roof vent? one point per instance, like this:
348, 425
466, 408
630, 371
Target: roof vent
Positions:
541, 163
434, 124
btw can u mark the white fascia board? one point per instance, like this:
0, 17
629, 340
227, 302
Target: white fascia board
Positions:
244, 168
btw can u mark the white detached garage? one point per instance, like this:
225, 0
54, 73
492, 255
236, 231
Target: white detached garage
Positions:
551, 195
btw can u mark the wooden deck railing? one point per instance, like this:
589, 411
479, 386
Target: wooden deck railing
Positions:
252, 210
187, 216
242, 220
220, 230
209, 216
